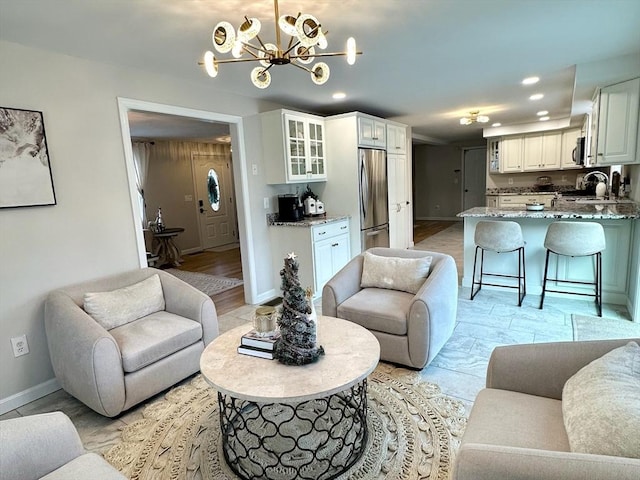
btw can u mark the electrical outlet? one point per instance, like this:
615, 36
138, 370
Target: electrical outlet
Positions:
254, 169
510, 181
564, 178
20, 345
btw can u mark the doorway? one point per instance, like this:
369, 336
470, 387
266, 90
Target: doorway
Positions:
213, 185
474, 165
239, 179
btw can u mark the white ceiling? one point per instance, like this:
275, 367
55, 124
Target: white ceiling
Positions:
425, 62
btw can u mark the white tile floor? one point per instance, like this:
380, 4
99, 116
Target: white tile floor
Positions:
491, 319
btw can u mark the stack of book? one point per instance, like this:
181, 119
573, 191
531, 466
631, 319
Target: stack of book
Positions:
258, 346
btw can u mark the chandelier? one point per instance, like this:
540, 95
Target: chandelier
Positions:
473, 118
305, 35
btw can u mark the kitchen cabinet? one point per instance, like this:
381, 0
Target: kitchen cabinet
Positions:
511, 154
521, 200
396, 138
294, 147
618, 107
567, 148
322, 250
492, 201
372, 132
542, 151
399, 201
493, 155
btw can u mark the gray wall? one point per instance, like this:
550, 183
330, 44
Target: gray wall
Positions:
437, 186
90, 232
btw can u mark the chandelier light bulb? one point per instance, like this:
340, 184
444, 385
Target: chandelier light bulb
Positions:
210, 64
482, 118
249, 29
320, 73
322, 40
351, 51
305, 54
260, 77
272, 49
287, 24
224, 36
238, 49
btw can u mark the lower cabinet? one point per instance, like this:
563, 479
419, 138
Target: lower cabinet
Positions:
321, 251
522, 200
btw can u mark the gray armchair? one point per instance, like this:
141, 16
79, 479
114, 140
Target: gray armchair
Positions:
516, 429
48, 446
411, 328
112, 370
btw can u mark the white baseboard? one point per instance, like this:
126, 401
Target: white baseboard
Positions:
268, 295
448, 219
189, 251
29, 395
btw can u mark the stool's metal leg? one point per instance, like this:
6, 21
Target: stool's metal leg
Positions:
473, 278
544, 282
599, 282
522, 286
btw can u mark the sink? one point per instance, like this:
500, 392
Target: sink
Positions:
601, 201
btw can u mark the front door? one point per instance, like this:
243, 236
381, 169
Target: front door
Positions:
215, 200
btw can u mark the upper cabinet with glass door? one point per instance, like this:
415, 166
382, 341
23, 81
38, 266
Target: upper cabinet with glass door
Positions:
294, 148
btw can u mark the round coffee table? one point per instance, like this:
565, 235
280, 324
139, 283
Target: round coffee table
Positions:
293, 422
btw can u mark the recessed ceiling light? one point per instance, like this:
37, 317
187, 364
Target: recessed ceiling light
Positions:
536, 96
542, 113
544, 119
497, 124
339, 95
530, 80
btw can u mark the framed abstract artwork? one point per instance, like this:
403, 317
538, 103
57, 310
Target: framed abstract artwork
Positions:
25, 172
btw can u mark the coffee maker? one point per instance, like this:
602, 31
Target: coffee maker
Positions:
289, 209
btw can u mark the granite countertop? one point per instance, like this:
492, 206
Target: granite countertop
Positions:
564, 208
272, 220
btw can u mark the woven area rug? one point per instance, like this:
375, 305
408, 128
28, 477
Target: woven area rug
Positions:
597, 328
209, 284
414, 432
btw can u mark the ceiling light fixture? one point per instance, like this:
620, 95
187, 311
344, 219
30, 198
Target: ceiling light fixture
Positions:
305, 32
541, 113
339, 96
473, 118
497, 124
536, 96
530, 80
544, 119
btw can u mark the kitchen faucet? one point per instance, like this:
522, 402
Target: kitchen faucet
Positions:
600, 176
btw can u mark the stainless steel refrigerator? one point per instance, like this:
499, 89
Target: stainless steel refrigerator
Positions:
374, 207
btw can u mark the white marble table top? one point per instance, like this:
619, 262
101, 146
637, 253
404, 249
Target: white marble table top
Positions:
351, 354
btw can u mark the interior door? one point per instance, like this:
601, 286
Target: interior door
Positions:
475, 178
215, 200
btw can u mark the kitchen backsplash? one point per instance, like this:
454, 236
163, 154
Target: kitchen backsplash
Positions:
531, 189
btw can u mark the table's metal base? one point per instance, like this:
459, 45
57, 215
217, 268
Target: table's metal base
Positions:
317, 439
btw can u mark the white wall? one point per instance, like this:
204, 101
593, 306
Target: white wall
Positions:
90, 232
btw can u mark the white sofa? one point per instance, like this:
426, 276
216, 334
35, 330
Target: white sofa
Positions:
47, 446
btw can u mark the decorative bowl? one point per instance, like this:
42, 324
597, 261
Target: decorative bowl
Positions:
536, 207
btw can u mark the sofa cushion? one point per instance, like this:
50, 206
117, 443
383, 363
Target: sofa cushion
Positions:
404, 274
601, 404
514, 419
151, 338
378, 309
89, 465
124, 305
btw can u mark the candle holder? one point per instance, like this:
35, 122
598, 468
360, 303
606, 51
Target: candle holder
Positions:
265, 321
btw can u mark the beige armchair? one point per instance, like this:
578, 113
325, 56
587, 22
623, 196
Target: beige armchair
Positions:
113, 369
516, 429
411, 328
48, 446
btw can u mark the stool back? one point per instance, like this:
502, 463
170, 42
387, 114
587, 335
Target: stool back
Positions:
498, 236
575, 239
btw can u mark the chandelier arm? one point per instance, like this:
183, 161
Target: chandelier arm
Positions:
258, 49
261, 42
301, 67
277, 16
234, 60
334, 54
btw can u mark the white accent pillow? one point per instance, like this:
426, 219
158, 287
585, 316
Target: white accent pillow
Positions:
124, 305
394, 273
601, 405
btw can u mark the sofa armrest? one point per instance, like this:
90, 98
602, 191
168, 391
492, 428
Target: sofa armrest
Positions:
343, 285
189, 302
542, 369
36, 445
436, 303
86, 359
494, 462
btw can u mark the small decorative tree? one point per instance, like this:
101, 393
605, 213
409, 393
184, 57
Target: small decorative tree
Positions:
298, 341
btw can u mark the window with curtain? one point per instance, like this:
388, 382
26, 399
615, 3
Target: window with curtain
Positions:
141, 152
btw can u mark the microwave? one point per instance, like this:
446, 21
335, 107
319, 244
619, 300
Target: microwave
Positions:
580, 152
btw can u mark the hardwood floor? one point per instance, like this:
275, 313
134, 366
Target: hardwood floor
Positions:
226, 264
229, 264
425, 228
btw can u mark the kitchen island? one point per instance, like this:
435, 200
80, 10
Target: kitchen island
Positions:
620, 260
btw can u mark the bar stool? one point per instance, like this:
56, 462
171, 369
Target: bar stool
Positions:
575, 239
499, 237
